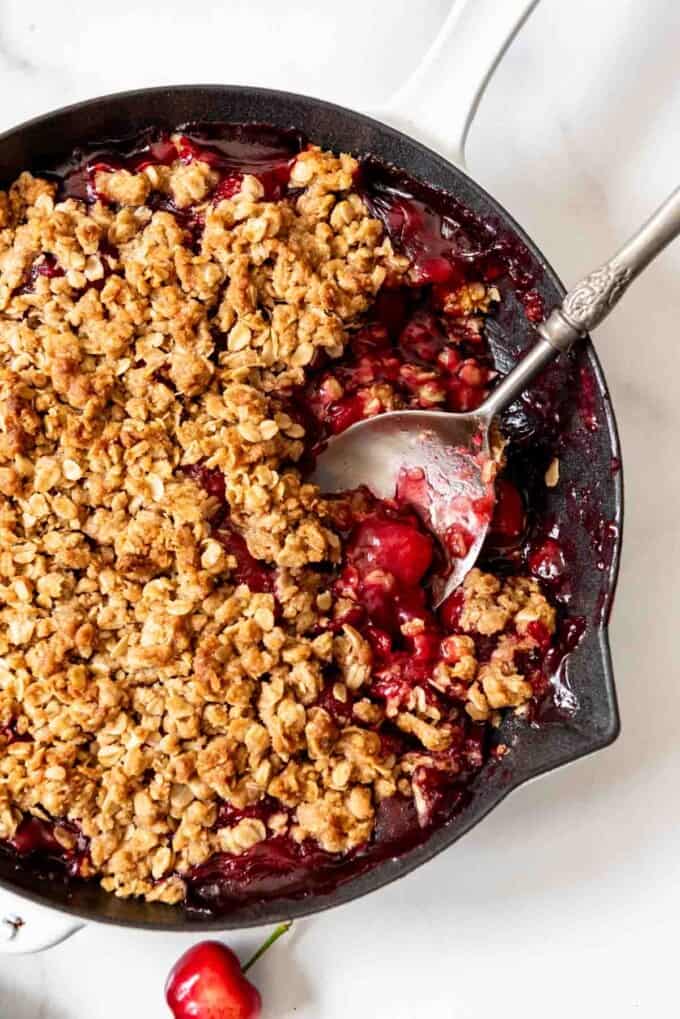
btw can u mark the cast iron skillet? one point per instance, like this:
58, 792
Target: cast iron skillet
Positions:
587, 465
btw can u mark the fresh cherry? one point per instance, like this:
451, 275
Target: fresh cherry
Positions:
208, 982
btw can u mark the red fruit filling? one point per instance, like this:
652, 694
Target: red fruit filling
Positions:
508, 522
339, 710
408, 357
36, 837
231, 149
257, 575
388, 555
281, 866
46, 266
392, 546
209, 478
445, 241
228, 814
547, 562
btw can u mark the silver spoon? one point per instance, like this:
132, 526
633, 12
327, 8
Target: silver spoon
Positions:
441, 462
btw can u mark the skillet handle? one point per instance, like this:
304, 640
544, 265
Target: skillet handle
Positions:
437, 103
27, 927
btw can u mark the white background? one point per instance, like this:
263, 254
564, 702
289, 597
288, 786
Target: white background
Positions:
564, 902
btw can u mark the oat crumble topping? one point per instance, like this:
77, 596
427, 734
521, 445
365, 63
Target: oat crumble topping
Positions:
153, 668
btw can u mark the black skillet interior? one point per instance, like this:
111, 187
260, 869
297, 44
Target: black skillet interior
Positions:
588, 501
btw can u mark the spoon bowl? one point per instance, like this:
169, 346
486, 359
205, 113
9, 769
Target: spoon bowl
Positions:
438, 463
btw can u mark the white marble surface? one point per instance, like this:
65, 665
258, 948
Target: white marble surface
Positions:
564, 901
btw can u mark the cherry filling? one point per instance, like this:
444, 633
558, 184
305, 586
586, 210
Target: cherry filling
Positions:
231, 149
547, 561
46, 266
9, 734
77, 176
386, 561
508, 521
266, 153
409, 355
281, 867
278, 865
263, 810
211, 479
339, 710
387, 556
59, 842
446, 242
257, 575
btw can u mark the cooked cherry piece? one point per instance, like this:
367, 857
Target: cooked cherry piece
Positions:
36, 838
508, 521
394, 547
547, 562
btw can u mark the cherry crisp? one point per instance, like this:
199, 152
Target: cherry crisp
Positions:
205, 664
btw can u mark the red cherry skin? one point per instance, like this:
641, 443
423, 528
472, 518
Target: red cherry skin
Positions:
35, 836
451, 609
207, 983
399, 548
508, 519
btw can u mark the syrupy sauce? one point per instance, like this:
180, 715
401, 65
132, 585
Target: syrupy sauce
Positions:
257, 575
447, 243
46, 266
36, 840
281, 867
410, 341
231, 150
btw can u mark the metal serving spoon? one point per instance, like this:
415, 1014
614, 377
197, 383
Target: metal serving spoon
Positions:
441, 462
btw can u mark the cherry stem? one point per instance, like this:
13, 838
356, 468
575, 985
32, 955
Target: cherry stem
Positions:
266, 945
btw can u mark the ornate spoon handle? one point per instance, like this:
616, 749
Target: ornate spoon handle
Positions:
589, 302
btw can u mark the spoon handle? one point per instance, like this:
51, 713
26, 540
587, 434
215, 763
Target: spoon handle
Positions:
589, 302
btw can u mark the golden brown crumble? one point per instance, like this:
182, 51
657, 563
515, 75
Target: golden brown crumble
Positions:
153, 685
